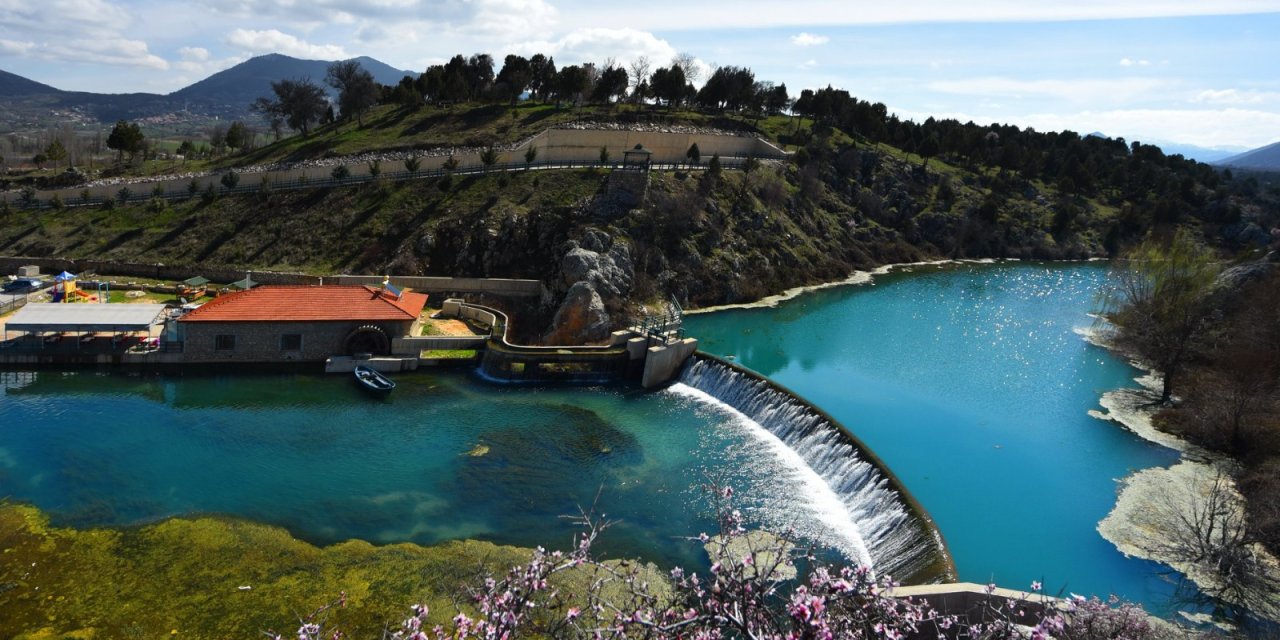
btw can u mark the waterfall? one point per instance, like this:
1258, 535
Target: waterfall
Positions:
856, 499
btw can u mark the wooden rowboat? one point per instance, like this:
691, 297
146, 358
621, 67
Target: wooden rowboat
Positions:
373, 381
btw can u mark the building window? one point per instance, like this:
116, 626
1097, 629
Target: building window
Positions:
291, 342
224, 342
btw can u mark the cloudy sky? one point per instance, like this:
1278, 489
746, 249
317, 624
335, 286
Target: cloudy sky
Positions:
1200, 72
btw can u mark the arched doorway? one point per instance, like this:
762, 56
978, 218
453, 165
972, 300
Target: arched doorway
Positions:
368, 339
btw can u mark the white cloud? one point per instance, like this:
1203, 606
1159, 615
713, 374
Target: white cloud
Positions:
728, 14
808, 64
594, 45
1234, 96
106, 50
1088, 91
193, 54
510, 19
503, 19
89, 31
62, 16
805, 39
275, 41
13, 47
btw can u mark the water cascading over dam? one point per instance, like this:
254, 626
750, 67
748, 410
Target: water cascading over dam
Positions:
880, 523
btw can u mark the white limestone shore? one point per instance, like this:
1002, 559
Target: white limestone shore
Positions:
856, 278
1143, 522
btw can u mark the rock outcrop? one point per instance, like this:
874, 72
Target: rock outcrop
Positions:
581, 317
599, 274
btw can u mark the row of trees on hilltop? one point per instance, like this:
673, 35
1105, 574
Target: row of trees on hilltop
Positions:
300, 103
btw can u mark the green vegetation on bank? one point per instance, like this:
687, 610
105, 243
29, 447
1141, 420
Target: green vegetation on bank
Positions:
187, 578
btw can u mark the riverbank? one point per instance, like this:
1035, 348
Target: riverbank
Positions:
856, 278
1158, 509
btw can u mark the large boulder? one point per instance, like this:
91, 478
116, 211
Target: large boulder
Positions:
581, 318
609, 273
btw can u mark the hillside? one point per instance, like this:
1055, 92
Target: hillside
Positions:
13, 86
702, 237
1261, 159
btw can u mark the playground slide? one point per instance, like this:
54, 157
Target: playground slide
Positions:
76, 296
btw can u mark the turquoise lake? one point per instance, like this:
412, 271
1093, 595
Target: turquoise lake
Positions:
446, 457
972, 383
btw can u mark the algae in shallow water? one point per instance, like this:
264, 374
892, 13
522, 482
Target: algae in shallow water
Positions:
186, 575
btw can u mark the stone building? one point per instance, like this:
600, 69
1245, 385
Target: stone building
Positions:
298, 323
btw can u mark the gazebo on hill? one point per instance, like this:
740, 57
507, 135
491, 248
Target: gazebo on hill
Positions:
637, 158
244, 285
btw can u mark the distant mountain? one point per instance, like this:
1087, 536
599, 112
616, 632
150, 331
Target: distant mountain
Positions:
15, 85
251, 79
1199, 154
226, 94
1261, 159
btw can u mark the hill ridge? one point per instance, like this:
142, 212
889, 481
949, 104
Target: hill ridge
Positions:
1266, 158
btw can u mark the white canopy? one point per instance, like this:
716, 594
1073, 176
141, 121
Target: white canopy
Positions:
52, 316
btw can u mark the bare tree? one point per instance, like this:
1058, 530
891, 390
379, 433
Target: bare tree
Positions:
689, 65
1209, 529
639, 75
357, 90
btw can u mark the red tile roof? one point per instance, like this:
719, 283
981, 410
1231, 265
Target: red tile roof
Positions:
290, 303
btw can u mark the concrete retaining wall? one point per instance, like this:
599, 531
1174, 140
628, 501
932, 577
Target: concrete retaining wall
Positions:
553, 145
413, 345
975, 602
583, 145
494, 286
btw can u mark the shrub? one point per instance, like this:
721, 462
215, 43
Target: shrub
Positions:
340, 173
375, 168
230, 179
412, 164
752, 590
